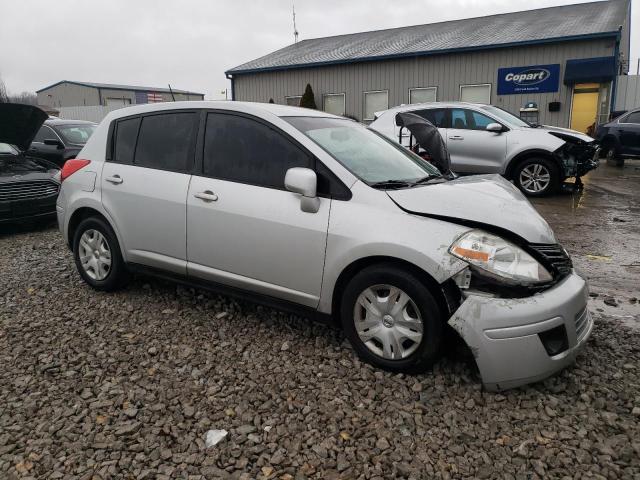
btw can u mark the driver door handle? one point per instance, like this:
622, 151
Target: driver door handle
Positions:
207, 196
116, 180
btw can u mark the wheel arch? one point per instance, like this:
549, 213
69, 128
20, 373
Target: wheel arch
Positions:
78, 216
526, 155
445, 294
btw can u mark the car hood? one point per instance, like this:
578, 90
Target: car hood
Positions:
20, 123
20, 167
567, 131
487, 201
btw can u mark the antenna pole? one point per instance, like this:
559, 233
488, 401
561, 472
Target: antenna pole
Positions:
295, 30
173, 98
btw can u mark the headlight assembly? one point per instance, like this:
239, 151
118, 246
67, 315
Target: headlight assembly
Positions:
498, 259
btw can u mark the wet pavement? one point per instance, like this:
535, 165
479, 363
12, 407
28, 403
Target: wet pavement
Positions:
600, 227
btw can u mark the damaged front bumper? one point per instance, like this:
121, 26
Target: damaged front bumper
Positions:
512, 338
578, 158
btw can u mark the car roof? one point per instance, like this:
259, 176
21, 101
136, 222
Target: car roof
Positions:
245, 107
417, 106
60, 121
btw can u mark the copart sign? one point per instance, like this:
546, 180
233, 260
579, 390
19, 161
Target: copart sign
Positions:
531, 79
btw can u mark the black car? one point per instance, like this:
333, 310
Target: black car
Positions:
28, 186
620, 138
59, 140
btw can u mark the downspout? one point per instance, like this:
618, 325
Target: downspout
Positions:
233, 88
99, 96
615, 76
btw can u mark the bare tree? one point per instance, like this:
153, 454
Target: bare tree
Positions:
4, 98
28, 98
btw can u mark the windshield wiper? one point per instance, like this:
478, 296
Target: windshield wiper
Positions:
426, 179
391, 184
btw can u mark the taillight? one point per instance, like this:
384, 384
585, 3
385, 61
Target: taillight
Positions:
72, 166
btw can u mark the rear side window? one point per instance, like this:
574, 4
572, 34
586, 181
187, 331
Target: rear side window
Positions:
166, 141
437, 116
125, 144
243, 150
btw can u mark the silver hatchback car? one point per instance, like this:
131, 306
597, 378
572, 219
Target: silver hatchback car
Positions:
318, 214
486, 139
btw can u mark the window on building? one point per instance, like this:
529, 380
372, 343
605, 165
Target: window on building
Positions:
469, 120
334, 103
243, 150
125, 140
375, 102
476, 93
422, 94
293, 101
166, 141
437, 116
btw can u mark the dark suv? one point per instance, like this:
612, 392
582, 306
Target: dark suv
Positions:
59, 140
620, 138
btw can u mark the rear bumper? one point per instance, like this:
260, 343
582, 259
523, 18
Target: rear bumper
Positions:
503, 334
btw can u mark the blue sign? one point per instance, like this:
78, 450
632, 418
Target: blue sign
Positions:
531, 79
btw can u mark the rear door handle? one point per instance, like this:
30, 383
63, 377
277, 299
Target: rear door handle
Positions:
116, 180
456, 137
207, 196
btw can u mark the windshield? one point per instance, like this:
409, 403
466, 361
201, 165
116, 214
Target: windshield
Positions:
366, 153
505, 116
78, 134
6, 149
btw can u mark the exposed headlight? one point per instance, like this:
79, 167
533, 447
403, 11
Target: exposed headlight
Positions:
499, 259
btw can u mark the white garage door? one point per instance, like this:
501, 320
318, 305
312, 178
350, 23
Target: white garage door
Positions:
476, 93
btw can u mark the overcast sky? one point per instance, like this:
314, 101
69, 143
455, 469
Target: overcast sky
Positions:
191, 43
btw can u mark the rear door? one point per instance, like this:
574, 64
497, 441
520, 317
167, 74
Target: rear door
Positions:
145, 184
243, 228
629, 134
472, 148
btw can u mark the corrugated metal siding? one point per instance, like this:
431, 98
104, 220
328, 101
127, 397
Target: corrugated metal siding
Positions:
93, 113
446, 72
68, 94
628, 92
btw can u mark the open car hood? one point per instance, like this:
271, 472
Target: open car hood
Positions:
20, 123
478, 200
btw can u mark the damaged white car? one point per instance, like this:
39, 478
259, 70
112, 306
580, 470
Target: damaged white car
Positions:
308, 211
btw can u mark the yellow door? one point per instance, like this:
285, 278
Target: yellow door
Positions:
584, 108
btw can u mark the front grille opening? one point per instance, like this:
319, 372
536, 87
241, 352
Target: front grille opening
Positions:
553, 257
27, 190
555, 341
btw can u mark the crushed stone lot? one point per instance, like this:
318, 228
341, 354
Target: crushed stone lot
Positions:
126, 385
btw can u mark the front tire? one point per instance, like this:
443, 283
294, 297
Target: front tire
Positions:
97, 255
391, 319
537, 177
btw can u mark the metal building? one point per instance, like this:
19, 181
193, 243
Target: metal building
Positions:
68, 93
564, 60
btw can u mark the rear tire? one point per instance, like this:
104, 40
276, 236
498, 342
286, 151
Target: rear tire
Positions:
97, 255
611, 155
537, 177
391, 319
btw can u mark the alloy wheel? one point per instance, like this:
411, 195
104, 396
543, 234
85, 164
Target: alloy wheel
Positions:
95, 254
535, 178
388, 322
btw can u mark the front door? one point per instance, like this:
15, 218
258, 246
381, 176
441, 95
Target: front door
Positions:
471, 147
144, 187
584, 107
629, 134
243, 228
53, 153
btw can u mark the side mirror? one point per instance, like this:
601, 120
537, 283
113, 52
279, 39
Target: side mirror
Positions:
53, 142
305, 182
495, 127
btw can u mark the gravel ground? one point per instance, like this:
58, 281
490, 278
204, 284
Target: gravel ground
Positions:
126, 385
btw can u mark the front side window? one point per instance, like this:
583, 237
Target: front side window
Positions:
334, 103
125, 140
45, 133
166, 141
469, 120
78, 134
375, 102
240, 149
367, 154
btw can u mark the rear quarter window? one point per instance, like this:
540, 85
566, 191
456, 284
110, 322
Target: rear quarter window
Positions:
126, 133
